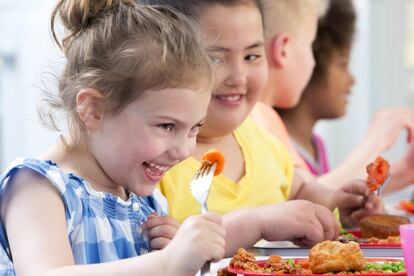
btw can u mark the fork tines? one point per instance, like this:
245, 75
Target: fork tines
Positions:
204, 169
382, 187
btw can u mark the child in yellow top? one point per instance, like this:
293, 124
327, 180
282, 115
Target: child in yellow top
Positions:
261, 174
236, 46
264, 221
287, 40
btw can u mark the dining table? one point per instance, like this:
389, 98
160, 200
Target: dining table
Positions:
263, 249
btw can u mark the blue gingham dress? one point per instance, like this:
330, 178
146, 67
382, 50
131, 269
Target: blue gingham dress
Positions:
101, 227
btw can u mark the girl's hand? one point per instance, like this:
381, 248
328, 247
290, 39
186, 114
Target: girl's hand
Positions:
409, 160
198, 240
300, 221
402, 172
161, 230
355, 202
387, 125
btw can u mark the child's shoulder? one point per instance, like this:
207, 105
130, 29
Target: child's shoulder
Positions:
31, 169
250, 135
254, 132
41, 166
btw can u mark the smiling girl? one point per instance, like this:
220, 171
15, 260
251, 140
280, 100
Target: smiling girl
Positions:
135, 90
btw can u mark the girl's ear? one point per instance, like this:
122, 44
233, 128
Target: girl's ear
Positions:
88, 101
279, 50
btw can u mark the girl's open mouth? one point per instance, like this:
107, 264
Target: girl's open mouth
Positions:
154, 171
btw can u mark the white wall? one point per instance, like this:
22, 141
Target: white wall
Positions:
27, 50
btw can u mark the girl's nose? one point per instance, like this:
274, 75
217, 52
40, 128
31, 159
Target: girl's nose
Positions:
351, 79
237, 77
182, 149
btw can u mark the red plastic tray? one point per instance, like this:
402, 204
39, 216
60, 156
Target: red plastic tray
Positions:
262, 262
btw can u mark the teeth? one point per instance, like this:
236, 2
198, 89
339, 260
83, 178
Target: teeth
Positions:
231, 98
158, 167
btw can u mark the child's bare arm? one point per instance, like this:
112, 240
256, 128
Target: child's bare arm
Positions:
153, 263
402, 173
200, 238
245, 227
310, 190
383, 132
34, 218
330, 198
352, 199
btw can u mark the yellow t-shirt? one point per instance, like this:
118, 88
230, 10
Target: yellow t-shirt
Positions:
265, 116
267, 180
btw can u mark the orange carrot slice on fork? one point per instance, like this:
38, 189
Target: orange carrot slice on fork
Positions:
214, 156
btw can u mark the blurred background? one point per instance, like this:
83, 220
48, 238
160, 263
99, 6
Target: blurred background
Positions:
382, 63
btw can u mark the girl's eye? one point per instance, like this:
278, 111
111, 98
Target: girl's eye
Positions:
252, 57
216, 60
167, 127
196, 129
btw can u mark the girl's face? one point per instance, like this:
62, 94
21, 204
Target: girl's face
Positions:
137, 146
334, 91
234, 38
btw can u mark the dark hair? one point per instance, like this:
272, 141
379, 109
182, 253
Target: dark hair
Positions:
335, 33
121, 49
193, 8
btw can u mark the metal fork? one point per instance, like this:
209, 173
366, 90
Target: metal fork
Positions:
382, 187
200, 188
201, 183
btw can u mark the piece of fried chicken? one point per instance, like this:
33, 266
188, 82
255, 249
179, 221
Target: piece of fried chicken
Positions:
334, 256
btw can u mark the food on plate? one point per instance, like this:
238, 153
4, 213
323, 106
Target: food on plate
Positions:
384, 267
381, 226
224, 272
274, 264
329, 257
407, 205
378, 171
334, 256
389, 240
214, 156
348, 236
356, 237
246, 261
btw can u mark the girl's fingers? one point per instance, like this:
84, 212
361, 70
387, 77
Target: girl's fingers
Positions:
328, 222
213, 217
166, 231
156, 220
159, 243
